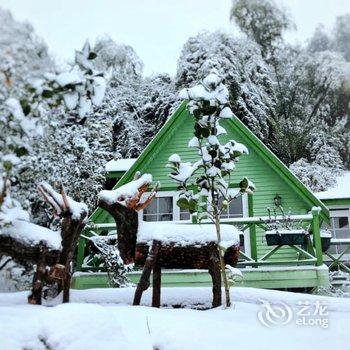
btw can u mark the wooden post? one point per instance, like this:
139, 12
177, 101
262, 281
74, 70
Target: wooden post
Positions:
80, 253
146, 272
317, 235
252, 230
157, 276
39, 276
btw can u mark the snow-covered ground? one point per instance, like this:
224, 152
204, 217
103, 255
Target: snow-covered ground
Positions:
104, 319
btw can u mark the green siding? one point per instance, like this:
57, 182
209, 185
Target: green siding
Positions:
336, 202
268, 179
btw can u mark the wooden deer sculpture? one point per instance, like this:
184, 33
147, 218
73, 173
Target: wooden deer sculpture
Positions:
14, 243
123, 205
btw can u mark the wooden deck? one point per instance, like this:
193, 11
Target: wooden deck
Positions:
305, 269
274, 277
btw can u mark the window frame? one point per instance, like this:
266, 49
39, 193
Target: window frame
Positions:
338, 212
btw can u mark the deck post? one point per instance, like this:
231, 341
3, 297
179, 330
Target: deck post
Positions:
252, 230
80, 253
317, 234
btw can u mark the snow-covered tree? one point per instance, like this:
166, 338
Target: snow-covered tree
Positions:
23, 57
109, 254
120, 61
211, 174
320, 41
73, 154
31, 95
314, 176
311, 103
342, 35
244, 71
263, 21
138, 108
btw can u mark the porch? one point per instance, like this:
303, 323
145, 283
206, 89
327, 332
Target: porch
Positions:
303, 267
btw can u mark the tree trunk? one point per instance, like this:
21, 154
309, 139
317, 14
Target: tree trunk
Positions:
214, 271
71, 229
222, 264
157, 275
39, 277
146, 273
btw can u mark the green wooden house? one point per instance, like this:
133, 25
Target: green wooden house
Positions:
281, 266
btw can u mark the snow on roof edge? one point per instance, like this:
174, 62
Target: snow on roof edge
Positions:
123, 164
340, 191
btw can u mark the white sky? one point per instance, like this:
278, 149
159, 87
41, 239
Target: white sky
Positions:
156, 29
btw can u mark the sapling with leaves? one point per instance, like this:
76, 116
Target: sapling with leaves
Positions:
204, 186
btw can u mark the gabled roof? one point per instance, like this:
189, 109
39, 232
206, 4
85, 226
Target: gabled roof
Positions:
267, 155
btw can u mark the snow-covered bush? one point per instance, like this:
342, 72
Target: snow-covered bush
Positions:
109, 253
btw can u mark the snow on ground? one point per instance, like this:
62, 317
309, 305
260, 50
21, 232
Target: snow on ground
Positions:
340, 190
102, 319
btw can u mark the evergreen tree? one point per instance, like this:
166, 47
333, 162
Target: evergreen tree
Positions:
263, 21
245, 74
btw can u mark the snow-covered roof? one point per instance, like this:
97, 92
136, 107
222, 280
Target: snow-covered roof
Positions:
120, 164
340, 190
186, 234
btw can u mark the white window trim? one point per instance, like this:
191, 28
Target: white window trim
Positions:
336, 211
176, 215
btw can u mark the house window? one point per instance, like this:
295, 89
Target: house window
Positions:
164, 208
235, 209
339, 227
161, 209
184, 214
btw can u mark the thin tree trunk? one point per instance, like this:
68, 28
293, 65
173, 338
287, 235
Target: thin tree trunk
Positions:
157, 275
222, 263
215, 272
146, 272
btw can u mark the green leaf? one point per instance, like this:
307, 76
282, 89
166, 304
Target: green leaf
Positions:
244, 183
47, 93
197, 113
192, 206
205, 132
21, 151
92, 55
7, 165
25, 107
182, 203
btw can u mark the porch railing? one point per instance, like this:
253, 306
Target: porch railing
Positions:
307, 254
